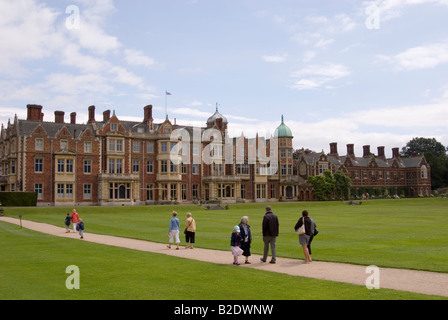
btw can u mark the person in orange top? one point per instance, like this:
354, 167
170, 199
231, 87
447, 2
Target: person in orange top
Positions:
75, 219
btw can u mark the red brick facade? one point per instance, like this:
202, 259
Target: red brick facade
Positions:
113, 162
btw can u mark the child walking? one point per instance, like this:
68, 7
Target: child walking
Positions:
235, 240
68, 220
80, 228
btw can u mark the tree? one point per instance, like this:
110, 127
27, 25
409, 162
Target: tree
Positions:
342, 185
423, 146
436, 156
329, 186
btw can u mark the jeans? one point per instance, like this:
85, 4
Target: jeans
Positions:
269, 240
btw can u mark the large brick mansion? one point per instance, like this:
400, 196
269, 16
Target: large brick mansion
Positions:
115, 162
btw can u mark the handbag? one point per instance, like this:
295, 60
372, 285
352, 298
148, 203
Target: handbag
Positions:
185, 231
301, 230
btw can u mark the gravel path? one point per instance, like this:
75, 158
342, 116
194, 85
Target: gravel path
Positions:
424, 282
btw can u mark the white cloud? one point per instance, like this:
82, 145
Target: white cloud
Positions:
422, 57
274, 58
138, 58
316, 76
26, 33
389, 9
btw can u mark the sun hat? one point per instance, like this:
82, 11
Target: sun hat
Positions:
237, 228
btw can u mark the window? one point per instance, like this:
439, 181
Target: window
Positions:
38, 165
113, 127
283, 153
119, 191
163, 147
322, 168
135, 165
13, 167
424, 172
164, 188
111, 145
87, 194
261, 191
173, 193
111, 165
69, 191
149, 147
164, 166
173, 167
195, 168
119, 145
115, 145
69, 165
243, 191
136, 146
184, 168
61, 164
149, 192
283, 169
273, 191
88, 147
242, 168
60, 191
119, 165
149, 166
38, 188
195, 191
184, 191
87, 166
39, 144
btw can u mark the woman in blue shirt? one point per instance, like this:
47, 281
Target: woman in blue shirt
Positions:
173, 231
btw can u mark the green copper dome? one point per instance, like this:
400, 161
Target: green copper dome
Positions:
283, 130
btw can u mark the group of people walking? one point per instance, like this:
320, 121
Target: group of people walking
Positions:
174, 229
76, 221
241, 237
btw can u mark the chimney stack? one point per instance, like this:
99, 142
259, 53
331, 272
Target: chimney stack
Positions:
334, 149
73, 118
59, 116
395, 152
147, 113
366, 151
106, 115
351, 150
34, 112
91, 114
381, 154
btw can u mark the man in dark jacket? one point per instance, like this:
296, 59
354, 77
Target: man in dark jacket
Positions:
270, 234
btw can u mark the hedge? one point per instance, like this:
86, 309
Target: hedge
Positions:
18, 199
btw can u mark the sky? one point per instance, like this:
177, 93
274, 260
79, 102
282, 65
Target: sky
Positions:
352, 72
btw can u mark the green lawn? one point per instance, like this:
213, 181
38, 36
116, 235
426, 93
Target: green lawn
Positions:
405, 233
33, 267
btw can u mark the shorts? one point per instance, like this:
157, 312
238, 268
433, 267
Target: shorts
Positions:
304, 239
189, 236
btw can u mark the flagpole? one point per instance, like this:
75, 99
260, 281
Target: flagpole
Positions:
166, 95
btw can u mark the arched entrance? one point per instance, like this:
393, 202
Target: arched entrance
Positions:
288, 192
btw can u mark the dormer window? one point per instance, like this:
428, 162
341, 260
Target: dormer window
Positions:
113, 127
